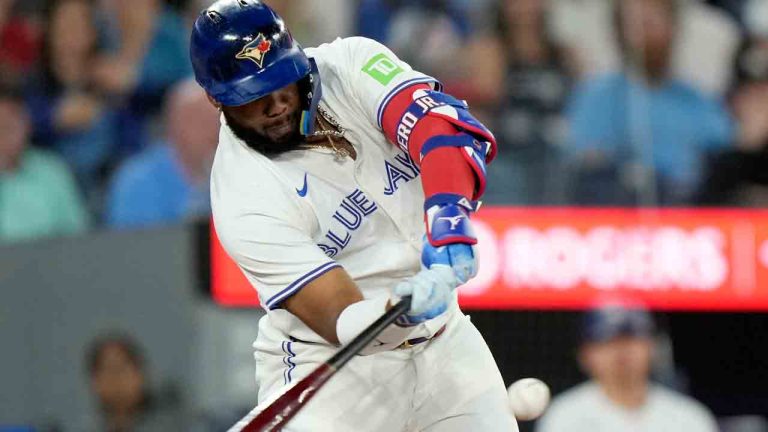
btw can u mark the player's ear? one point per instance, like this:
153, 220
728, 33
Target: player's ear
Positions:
213, 101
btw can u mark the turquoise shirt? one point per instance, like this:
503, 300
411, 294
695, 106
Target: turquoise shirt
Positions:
40, 199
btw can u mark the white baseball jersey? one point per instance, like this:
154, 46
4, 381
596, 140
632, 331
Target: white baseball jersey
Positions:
287, 220
585, 408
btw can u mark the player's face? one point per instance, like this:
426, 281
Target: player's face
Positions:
648, 29
748, 102
72, 40
619, 361
269, 124
193, 127
117, 381
14, 128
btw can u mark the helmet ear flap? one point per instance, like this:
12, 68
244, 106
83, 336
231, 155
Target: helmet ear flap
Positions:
311, 92
305, 91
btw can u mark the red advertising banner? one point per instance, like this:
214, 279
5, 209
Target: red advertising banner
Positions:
566, 258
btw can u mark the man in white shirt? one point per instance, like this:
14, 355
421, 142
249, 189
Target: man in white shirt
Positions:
616, 354
705, 44
335, 200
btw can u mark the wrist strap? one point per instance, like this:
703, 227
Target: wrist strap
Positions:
358, 316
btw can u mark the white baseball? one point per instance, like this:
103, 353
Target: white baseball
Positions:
528, 398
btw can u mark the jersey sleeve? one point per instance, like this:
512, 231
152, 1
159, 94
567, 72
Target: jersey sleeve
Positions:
279, 259
374, 74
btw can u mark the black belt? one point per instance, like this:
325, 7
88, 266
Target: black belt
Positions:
407, 344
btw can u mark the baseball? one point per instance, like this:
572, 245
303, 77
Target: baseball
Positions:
528, 398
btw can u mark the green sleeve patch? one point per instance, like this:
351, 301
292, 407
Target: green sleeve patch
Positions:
382, 68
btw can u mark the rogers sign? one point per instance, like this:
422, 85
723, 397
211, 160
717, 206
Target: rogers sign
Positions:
566, 257
671, 259
608, 258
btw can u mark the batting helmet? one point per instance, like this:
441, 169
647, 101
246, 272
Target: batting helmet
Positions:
242, 51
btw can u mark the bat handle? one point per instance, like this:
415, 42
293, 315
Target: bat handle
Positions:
363, 339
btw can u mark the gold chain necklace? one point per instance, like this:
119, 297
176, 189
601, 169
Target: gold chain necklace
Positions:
339, 129
340, 152
337, 132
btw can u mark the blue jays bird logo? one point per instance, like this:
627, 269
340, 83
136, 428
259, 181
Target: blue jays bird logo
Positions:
255, 50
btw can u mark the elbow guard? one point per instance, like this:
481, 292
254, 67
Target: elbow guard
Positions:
476, 141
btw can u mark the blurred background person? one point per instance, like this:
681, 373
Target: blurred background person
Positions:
433, 36
521, 78
69, 113
168, 182
317, 22
19, 43
706, 42
739, 177
616, 353
148, 53
119, 383
38, 196
640, 137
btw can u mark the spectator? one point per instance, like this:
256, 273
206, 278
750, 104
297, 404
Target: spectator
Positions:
733, 7
38, 196
68, 114
118, 379
151, 51
522, 75
149, 42
616, 352
168, 182
641, 136
441, 27
756, 19
19, 44
739, 177
315, 22
706, 41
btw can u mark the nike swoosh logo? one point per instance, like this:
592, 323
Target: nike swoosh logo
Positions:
303, 191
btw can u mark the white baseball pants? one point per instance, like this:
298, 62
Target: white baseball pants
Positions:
448, 384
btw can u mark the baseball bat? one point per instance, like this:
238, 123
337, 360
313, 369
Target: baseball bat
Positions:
282, 409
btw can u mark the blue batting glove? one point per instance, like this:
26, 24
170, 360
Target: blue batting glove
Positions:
460, 258
450, 239
431, 291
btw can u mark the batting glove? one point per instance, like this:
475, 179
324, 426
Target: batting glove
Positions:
431, 291
450, 239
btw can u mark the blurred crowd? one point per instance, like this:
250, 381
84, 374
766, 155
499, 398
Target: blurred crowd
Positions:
594, 102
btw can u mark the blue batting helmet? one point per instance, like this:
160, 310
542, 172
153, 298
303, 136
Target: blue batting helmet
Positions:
242, 51
610, 321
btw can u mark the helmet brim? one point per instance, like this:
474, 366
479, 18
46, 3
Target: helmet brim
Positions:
280, 73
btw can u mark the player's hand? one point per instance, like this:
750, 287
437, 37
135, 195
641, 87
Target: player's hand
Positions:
77, 111
114, 75
450, 239
431, 290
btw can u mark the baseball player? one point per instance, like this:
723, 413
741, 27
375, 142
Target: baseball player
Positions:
616, 352
344, 180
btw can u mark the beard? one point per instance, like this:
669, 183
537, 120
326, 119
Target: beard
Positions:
262, 143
